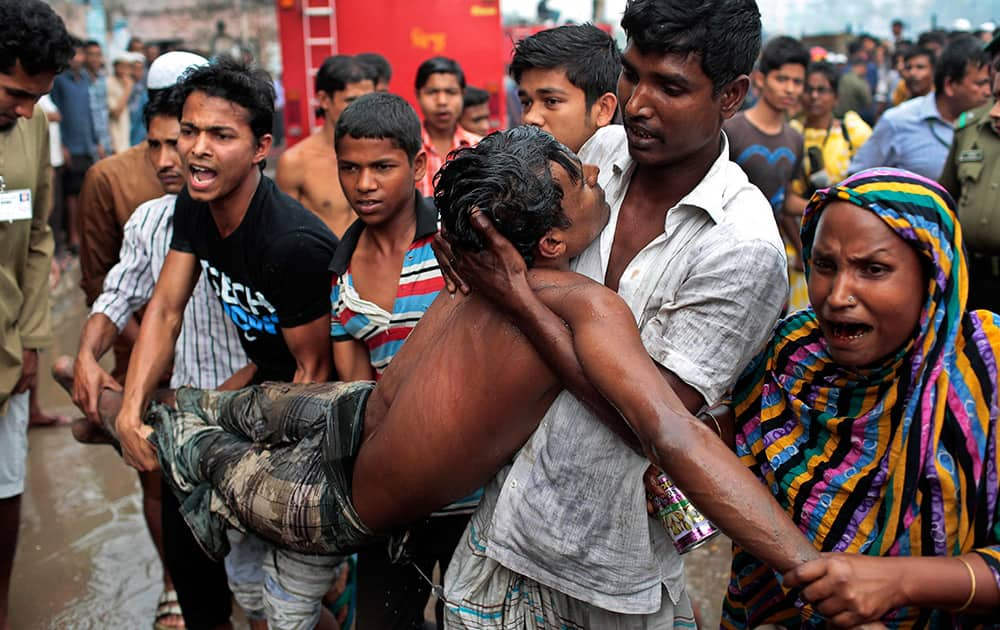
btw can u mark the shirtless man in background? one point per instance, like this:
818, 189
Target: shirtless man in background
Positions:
308, 171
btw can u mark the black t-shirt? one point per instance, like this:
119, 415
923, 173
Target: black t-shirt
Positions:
271, 273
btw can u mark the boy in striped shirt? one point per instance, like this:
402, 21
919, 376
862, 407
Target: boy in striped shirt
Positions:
384, 272
385, 276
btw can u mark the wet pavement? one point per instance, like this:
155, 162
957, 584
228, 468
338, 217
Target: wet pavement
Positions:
85, 559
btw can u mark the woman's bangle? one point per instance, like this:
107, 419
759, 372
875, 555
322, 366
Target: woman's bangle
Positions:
715, 421
972, 576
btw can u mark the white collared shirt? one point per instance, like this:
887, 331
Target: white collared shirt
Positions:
571, 512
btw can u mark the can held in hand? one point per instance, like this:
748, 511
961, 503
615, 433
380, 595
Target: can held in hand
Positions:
688, 528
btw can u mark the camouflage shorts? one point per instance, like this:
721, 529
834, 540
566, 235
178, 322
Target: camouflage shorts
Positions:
275, 459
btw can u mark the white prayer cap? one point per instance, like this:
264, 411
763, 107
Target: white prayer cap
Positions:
168, 68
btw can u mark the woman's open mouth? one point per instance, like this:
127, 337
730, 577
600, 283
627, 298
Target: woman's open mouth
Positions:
848, 331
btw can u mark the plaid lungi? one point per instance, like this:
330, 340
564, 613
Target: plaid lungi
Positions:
275, 459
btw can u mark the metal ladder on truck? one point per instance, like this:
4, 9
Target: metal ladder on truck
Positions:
319, 38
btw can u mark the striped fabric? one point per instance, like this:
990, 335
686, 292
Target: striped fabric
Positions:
435, 160
384, 333
208, 348
899, 459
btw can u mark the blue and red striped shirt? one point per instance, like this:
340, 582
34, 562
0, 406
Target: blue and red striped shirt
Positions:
420, 281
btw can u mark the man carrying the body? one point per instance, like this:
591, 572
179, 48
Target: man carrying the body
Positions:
306, 465
693, 250
208, 352
265, 258
308, 171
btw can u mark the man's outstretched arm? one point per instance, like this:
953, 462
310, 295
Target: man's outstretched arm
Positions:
688, 451
152, 353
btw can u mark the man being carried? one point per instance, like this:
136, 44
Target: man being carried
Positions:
308, 171
306, 465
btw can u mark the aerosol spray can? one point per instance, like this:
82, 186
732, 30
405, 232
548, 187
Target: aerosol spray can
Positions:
688, 528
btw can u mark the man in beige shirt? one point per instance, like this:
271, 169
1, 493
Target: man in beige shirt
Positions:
34, 46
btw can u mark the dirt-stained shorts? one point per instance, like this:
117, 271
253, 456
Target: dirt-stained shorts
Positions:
274, 459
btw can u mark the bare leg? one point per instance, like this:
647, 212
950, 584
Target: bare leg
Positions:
327, 621
84, 431
72, 229
10, 518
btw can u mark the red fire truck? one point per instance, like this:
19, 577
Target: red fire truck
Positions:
406, 33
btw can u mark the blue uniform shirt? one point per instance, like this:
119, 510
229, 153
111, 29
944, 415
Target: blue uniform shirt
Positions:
912, 135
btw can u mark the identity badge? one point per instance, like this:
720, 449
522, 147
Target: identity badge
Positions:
971, 155
15, 205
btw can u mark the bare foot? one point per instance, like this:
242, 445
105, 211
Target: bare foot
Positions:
168, 611
40, 419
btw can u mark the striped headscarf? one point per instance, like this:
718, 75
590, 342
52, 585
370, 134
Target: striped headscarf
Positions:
897, 459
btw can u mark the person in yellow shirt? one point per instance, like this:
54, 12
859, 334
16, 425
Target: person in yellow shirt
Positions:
830, 142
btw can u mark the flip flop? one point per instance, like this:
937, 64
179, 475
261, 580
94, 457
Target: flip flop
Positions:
167, 606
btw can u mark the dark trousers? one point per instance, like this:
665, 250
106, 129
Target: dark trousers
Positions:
393, 596
202, 588
984, 282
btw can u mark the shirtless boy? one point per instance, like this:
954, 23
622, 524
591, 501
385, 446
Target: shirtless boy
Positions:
308, 171
306, 465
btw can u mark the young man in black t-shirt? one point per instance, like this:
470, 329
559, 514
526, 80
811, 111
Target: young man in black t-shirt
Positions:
264, 254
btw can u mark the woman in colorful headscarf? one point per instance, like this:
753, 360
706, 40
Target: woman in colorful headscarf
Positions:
872, 416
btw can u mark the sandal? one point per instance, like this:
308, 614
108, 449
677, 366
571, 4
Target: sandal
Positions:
168, 606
